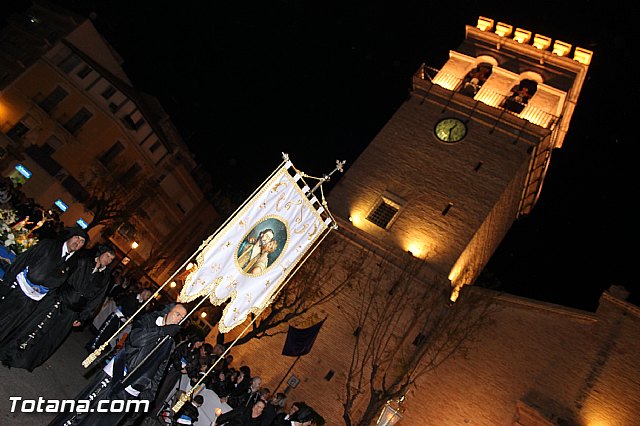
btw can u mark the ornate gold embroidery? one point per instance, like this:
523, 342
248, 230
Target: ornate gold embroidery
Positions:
278, 185
280, 198
312, 233
301, 229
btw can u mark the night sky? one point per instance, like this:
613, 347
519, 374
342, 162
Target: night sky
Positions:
244, 82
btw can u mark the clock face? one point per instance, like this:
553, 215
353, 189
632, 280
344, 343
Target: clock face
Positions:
450, 130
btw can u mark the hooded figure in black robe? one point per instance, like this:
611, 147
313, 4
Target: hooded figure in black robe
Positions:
33, 273
127, 304
135, 371
70, 305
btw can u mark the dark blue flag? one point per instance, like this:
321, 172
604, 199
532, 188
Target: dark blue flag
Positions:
300, 340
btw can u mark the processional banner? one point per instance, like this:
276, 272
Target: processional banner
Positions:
251, 256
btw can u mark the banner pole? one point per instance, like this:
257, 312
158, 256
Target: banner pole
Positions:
286, 374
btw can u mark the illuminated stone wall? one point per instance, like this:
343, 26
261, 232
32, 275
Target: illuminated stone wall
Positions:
540, 364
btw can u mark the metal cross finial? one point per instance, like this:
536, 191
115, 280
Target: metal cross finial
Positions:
325, 178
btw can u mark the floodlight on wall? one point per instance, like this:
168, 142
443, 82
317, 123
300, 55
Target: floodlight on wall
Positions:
522, 36
485, 24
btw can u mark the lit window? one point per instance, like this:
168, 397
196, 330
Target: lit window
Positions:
82, 224
61, 205
23, 171
385, 211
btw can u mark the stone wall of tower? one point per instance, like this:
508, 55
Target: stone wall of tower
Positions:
539, 364
482, 177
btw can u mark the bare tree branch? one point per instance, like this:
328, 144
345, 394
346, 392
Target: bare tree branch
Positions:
409, 327
111, 201
318, 281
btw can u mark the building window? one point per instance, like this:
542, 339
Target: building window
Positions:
47, 149
329, 375
109, 92
130, 174
153, 148
420, 339
17, 131
475, 78
385, 211
42, 156
135, 125
78, 120
84, 71
520, 95
111, 154
75, 188
69, 63
54, 98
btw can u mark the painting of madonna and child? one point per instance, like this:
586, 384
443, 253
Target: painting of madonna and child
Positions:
261, 246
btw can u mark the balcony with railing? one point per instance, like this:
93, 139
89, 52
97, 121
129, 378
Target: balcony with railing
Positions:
426, 77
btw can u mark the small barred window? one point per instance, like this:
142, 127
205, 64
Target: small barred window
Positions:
384, 213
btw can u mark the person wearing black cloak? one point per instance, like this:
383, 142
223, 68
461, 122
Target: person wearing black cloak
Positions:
33, 273
133, 373
127, 304
71, 305
181, 357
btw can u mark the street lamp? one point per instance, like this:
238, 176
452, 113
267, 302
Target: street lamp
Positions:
134, 245
391, 412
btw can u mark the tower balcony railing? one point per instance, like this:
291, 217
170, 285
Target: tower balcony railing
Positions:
483, 94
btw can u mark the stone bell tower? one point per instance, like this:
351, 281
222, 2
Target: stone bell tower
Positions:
467, 153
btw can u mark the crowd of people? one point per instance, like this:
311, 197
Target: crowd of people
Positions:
237, 393
61, 283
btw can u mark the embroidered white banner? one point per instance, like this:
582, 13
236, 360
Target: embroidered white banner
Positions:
256, 250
